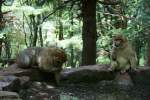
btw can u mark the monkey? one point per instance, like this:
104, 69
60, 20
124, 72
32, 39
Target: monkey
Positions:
47, 59
123, 57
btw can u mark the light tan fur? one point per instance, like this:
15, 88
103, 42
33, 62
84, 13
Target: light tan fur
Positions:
123, 57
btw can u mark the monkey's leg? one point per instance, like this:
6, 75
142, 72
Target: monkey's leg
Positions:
133, 62
57, 77
125, 68
113, 66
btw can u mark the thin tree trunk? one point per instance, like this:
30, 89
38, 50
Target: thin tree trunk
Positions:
71, 27
25, 34
7, 48
89, 35
60, 34
2, 23
1, 14
41, 37
35, 29
40, 30
1, 41
1, 26
148, 51
72, 56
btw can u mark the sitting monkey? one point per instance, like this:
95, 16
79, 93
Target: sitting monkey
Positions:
123, 57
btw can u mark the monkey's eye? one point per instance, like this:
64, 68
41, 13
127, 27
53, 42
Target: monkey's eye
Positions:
118, 40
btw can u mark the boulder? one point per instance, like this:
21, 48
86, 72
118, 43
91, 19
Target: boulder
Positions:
88, 74
95, 73
141, 75
33, 74
6, 95
40, 91
92, 73
9, 83
123, 79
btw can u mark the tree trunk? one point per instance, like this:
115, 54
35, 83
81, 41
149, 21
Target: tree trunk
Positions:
1, 14
40, 30
7, 47
40, 36
71, 22
72, 56
89, 35
1, 26
148, 51
35, 29
1, 41
60, 34
2, 23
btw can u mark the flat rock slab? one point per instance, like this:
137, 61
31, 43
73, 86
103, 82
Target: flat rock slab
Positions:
141, 76
95, 73
14, 70
123, 79
33, 74
92, 73
88, 74
6, 95
9, 83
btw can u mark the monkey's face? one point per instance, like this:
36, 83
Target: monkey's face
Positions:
59, 58
119, 41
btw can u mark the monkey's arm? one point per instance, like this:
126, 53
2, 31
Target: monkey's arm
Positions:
113, 59
113, 56
133, 60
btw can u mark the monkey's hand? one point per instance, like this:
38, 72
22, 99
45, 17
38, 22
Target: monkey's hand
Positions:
113, 66
122, 71
113, 56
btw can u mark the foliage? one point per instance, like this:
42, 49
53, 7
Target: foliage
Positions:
67, 14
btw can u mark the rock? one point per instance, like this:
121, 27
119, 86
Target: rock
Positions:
13, 83
88, 74
40, 91
16, 71
123, 79
24, 82
9, 83
6, 95
95, 73
141, 76
32, 73
92, 73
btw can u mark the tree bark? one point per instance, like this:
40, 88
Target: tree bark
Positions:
89, 34
148, 51
40, 30
1, 14
2, 23
35, 29
60, 34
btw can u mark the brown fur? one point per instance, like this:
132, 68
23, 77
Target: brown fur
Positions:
48, 59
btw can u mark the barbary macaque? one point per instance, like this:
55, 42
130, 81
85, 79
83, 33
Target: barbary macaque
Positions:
47, 59
123, 57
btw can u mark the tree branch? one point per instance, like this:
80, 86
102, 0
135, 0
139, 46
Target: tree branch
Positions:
58, 8
110, 3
